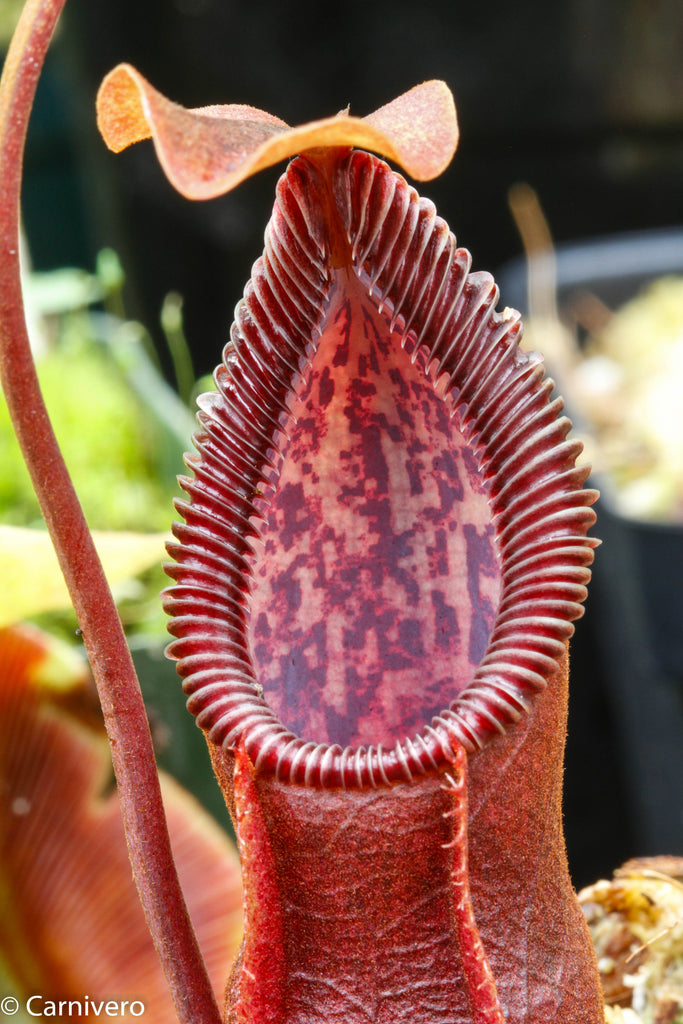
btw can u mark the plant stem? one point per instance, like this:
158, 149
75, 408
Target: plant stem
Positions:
122, 704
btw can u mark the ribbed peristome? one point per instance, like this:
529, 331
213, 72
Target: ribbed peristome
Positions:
408, 262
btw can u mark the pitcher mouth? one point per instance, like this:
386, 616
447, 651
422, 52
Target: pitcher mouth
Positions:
539, 509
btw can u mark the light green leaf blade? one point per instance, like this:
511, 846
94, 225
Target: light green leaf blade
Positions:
33, 581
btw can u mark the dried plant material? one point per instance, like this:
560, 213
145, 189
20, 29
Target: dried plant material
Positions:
620, 1015
543, 327
636, 922
665, 864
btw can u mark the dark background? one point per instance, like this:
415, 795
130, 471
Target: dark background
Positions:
582, 99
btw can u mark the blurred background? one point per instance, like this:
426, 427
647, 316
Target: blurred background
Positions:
579, 99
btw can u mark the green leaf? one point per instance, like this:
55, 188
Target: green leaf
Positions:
33, 581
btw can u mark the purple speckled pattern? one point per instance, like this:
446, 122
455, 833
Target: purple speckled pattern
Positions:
384, 543
378, 582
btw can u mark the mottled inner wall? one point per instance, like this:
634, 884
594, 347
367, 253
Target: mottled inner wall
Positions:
378, 583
